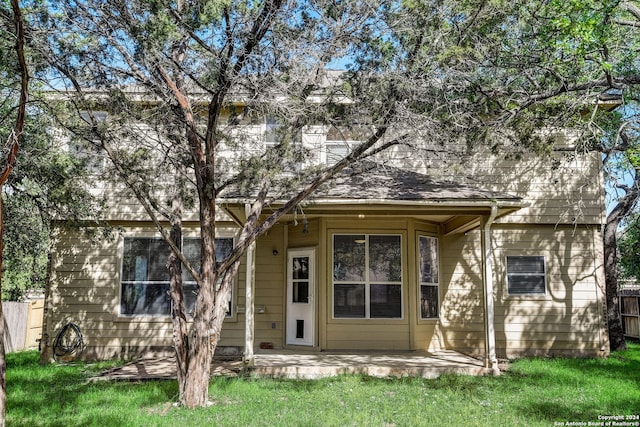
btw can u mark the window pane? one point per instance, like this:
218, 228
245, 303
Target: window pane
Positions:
134, 262
142, 298
301, 292
300, 268
385, 263
145, 260
158, 257
526, 284
428, 301
224, 246
525, 264
348, 257
336, 152
386, 301
428, 259
348, 301
526, 275
191, 249
271, 130
190, 292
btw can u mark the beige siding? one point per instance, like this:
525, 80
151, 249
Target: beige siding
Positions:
569, 319
461, 324
564, 187
84, 289
367, 336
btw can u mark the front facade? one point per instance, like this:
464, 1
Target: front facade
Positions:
504, 264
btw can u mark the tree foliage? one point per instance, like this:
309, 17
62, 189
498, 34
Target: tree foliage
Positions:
176, 78
45, 182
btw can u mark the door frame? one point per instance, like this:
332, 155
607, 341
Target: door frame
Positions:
292, 310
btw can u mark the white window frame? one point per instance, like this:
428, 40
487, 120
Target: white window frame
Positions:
330, 146
432, 283
367, 282
542, 274
230, 312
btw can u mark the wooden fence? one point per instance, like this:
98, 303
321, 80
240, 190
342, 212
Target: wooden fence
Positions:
23, 324
629, 310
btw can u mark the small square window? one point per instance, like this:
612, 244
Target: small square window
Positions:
526, 275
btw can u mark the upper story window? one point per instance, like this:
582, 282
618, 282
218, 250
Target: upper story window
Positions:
90, 153
429, 298
526, 275
271, 131
98, 116
367, 276
340, 141
144, 284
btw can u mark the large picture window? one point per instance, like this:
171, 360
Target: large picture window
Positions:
145, 276
429, 299
367, 276
526, 275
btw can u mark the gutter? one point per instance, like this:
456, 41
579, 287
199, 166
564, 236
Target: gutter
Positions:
515, 203
491, 361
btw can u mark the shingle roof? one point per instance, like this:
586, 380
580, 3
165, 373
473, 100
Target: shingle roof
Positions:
380, 182
373, 181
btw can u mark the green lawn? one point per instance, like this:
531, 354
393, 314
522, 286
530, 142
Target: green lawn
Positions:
534, 392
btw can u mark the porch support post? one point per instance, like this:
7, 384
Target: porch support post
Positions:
250, 280
491, 361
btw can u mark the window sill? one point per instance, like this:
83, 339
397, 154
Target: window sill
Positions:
141, 318
527, 297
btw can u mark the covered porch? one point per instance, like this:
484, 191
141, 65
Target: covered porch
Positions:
407, 209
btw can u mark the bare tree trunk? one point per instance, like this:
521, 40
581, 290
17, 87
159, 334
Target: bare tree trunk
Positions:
178, 311
614, 322
624, 206
201, 352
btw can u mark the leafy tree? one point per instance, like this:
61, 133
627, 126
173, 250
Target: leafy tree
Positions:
445, 73
629, 249
8, 165
558, 61
205, 67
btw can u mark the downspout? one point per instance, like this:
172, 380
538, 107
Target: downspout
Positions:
250, 279
491, 361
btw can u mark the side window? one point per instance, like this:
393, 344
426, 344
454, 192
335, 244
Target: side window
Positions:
191, 249
526, 275
429, 280
144, 285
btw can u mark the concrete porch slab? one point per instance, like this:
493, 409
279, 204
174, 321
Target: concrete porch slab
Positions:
291, 364
300, 365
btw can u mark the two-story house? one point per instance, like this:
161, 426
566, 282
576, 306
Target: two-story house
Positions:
496, 257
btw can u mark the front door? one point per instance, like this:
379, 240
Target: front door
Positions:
300, 291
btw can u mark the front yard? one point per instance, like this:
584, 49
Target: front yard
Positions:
534, 392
